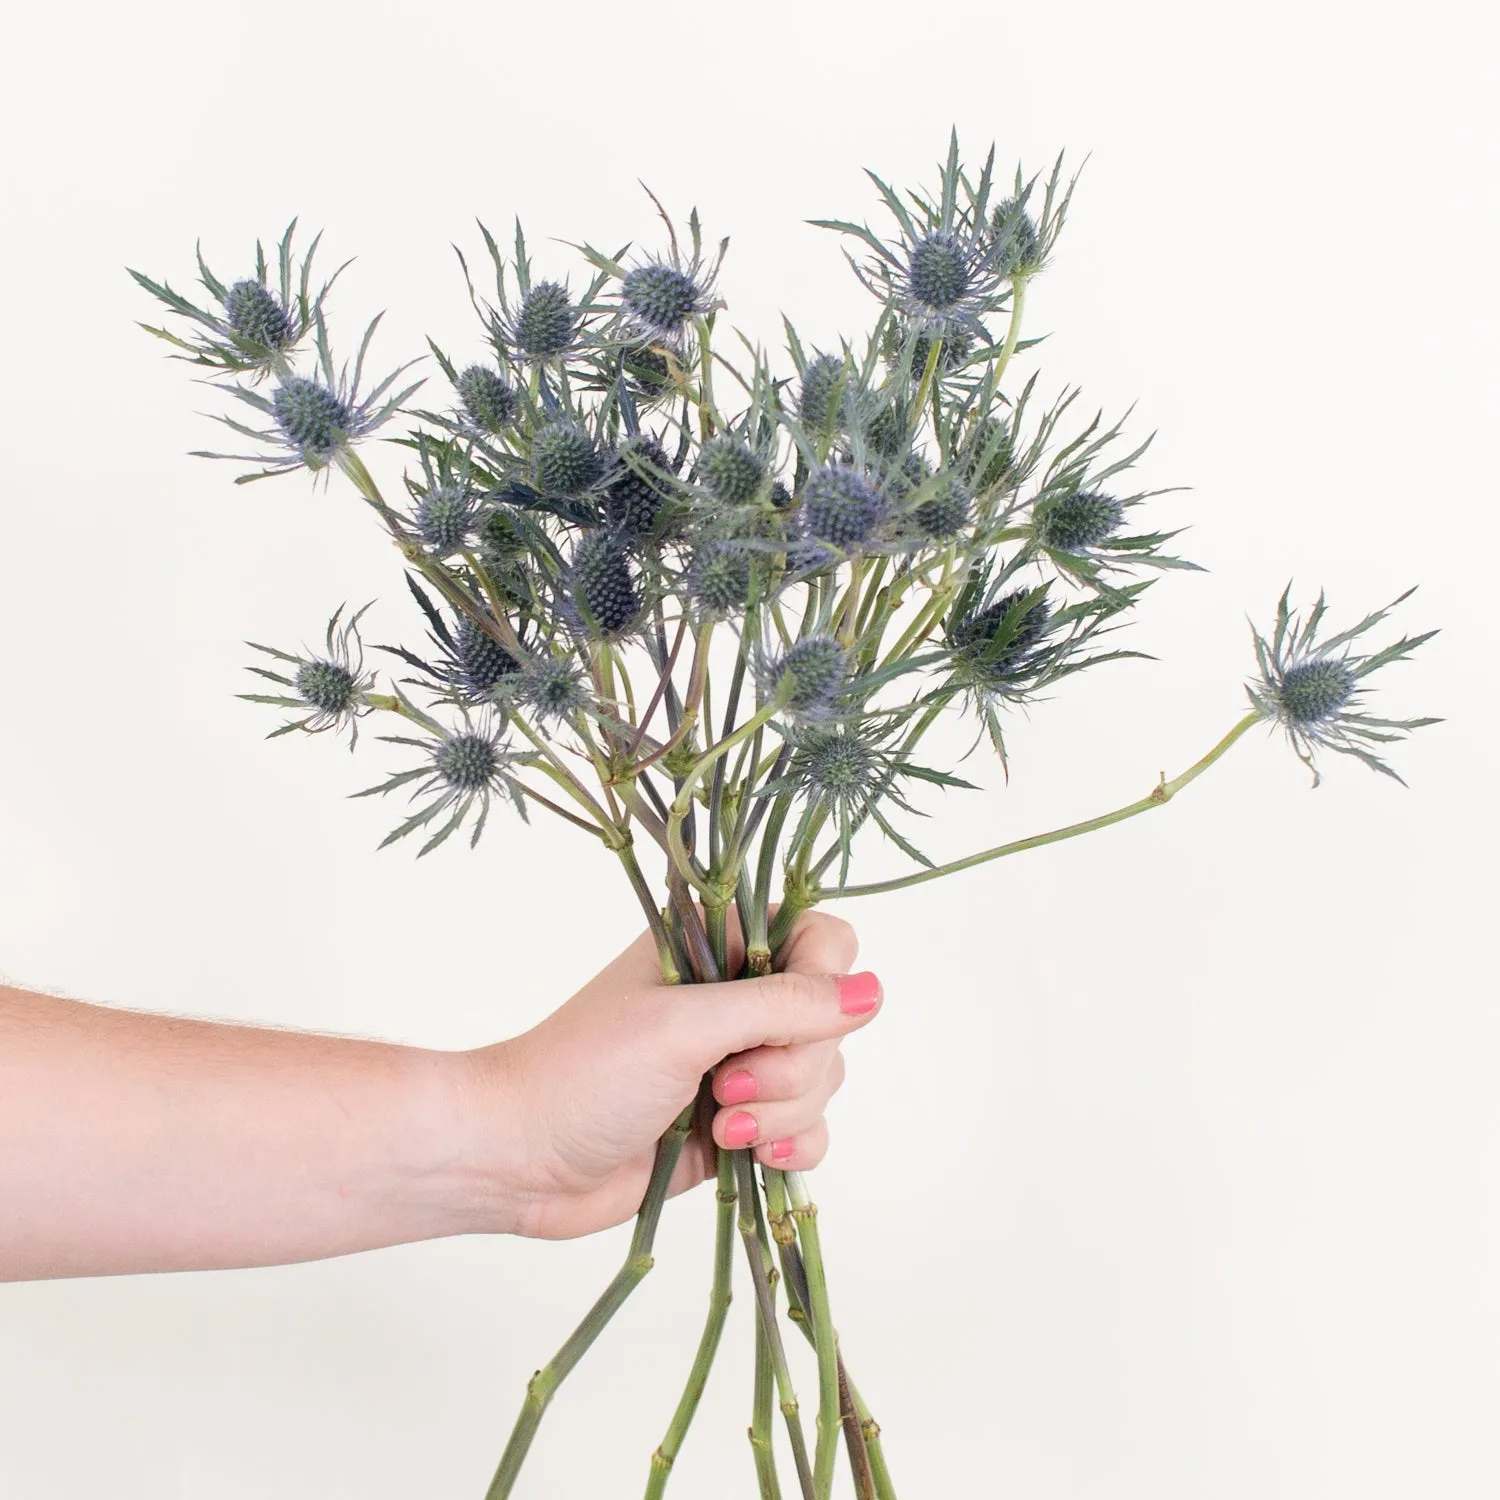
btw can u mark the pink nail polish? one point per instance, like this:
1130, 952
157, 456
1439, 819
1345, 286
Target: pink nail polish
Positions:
740, 1130
859, 994
738, 1087
780, 1150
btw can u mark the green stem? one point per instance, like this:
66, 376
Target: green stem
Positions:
718, 1308
760, 1418
765, 1301
638, 1262
1159, 796
830, 1420
1013, 332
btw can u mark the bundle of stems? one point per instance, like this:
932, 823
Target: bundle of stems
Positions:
719, 643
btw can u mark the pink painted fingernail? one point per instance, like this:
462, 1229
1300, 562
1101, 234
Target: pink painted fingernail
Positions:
740, 1130
783, 1149
859, 994
738, 1087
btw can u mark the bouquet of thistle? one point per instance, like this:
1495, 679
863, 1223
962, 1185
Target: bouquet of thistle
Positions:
694, 606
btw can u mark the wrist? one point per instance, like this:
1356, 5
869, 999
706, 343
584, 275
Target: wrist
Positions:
483, 1157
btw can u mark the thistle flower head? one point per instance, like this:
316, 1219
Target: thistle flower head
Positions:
488, 401
480, 662
957, 339
1314, 688
662, 297
258, 319
841, 506
718, 579
730, 470
649, 370
1079, 520
935, 506
1001, 646
1014, 245
821, 398
604, 592
987, 453
553, 688
255, 314
939, 271
444, 518
564, 459
544, 325
808, 679
637, 486
328, 688
312, 418
462, 769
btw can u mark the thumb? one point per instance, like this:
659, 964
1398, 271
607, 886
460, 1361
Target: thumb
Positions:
776, 1010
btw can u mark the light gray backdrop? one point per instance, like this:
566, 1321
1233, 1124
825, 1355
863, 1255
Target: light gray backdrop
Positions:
1170, 1170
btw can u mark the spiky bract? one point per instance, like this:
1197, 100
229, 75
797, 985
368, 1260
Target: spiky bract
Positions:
1000, 646
329, 689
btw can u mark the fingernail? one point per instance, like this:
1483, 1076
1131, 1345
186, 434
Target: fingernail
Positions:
738, 1087
740, 1130
782, 1149
859, 994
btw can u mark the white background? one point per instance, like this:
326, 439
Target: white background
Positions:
1170, 1170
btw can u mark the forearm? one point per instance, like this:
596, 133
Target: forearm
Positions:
135, 1142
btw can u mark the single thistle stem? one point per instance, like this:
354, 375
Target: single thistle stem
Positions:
1013, 332
665, 953
765, 1301
830, 1418
638, 1262
1159, 796
719, 1297
760, 1419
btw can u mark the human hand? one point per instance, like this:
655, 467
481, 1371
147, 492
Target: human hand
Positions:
568, 1114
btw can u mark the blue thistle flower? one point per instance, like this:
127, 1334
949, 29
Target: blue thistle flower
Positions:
255, 314
445, 517
312, 418
315, 419
328, 690
545, 323
650, 372
1002, 646
841, 506
809, 678
781, 496
564, 459
462, 769
488, 401
730, 470
821, 400
987, 452
604, 592
662, 297
554, 688
958, 345
256, 325
1314, 689
936, 507
1078, 521
718, 579
638, 486
939, 271
1014, 246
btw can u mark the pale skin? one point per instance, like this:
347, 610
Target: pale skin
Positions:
134, 1142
